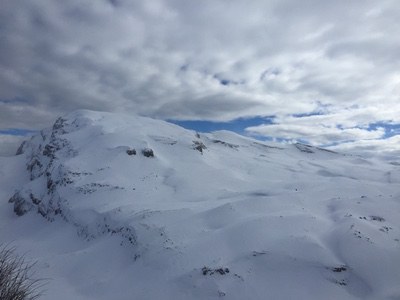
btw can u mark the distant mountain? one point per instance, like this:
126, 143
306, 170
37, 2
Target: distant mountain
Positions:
126, 207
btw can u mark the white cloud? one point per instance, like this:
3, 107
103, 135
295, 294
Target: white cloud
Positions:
316, 130
166, 59
388, 149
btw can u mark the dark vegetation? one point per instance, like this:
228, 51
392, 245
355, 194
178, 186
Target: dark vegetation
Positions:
17, 277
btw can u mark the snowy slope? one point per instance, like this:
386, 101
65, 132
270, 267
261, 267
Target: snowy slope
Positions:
119, 207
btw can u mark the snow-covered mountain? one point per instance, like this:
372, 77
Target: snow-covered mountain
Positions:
119, 207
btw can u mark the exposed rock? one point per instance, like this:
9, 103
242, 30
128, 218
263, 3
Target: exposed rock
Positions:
199, 146
233, 146
148, 152
260, 145
34, 167
339, 269
94, 187
164, 140
21, 205
131, 152
304, 148
209, 271
377, 218
21, 148
34, 199
58, 126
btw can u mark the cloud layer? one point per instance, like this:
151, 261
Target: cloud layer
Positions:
205, 60
9, 144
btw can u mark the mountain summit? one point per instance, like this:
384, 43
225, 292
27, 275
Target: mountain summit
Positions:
120, 207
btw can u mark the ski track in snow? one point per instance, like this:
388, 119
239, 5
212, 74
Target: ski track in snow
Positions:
117, 207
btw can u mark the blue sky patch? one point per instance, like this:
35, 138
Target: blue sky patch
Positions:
390, 129
226, 82
17, 131
237, 125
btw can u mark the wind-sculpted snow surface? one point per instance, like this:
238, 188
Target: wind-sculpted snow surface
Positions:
118, 207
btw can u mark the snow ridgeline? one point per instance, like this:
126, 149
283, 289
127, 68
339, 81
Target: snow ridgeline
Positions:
206, 216
46, 154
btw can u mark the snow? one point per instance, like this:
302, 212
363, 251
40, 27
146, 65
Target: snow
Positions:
286, 221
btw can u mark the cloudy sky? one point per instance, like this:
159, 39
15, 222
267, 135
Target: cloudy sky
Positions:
322, 72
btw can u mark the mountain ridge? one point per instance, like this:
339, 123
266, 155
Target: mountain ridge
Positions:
214, 214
